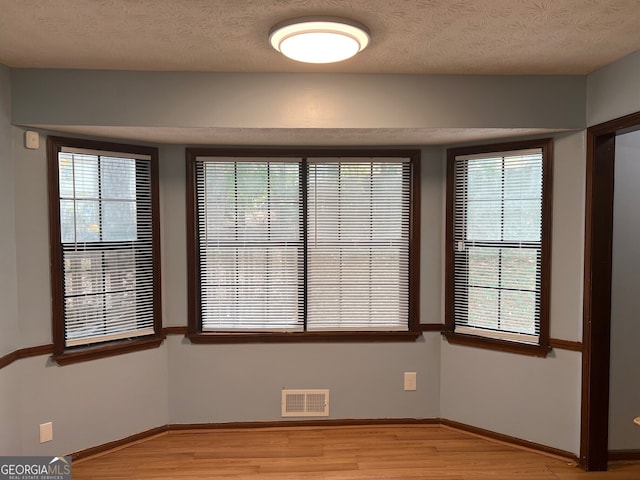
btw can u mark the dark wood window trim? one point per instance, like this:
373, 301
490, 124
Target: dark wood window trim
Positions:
28, 352
108, 349
67, 355
333, 337
194, 329
431, 327
542, 348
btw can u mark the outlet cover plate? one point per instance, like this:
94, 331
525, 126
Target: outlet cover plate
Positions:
46, 432
410, 381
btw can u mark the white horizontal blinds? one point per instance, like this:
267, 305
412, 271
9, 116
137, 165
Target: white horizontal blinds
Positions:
358, 244
106, 235
497, 250
250, 244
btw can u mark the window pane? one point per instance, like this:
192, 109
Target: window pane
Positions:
519, 268
522, 220
85, 174
120, 270
484, 220
250, 246
87, 221
523, 177
106, 219
83, 273
352, 287
358, 245
497, 234
250, 288
484, 267
518, 312
119, 221
250, 200
483, 308
118, 178
67, 221
65, 175
251, 251
387, 200
121, 312
484, 179
84, 317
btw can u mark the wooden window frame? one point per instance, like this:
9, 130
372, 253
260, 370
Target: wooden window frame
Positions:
542, 348
62, 354
194, 329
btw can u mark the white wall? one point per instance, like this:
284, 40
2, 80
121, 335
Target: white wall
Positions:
624, 384
532, 398
613, 91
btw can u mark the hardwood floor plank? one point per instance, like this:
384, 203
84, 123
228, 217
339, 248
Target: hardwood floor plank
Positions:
401, 452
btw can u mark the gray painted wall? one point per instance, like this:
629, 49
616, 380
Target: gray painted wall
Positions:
625, 302
90, 403
236, 383
211, 383
9, 339
100, 401
613, 91
10, 410
10, 393
531, 398
188, 99
224, 382
239, 383
528, 398
32, 245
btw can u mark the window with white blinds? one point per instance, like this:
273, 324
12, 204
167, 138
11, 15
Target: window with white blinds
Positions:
498, 244
304, 244
105, 240
250, 245
358, 244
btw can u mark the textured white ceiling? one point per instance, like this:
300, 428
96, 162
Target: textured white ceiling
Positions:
408, 36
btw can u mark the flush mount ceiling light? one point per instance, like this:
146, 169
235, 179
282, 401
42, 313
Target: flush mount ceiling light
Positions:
319, 39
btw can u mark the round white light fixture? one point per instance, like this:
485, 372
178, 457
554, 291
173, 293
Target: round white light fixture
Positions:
319, 39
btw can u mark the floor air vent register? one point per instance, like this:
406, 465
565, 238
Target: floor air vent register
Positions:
305, 403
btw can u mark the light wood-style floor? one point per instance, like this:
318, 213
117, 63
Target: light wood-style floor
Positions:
334, 453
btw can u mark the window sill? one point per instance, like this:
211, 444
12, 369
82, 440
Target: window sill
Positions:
497, 344
110, 349
299, 337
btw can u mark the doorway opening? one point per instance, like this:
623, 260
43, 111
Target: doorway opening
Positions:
596, 336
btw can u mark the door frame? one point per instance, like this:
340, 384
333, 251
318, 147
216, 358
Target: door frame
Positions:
596, 334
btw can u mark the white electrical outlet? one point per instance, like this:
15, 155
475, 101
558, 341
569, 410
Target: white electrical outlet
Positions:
46, 432
410, 381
